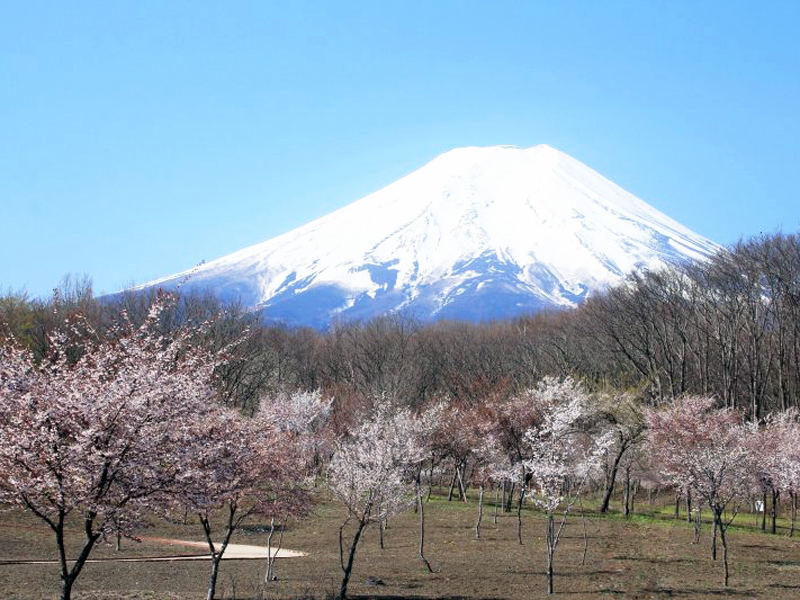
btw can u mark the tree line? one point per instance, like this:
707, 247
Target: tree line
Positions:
728, 327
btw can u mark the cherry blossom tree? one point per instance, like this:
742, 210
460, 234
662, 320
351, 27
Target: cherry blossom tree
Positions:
778, 463
301, 412
451, 445
707, 450
96, 429
487, 455
425, 426
239, 467
563, 457
304, 415
787, 464
370, 474
510, 419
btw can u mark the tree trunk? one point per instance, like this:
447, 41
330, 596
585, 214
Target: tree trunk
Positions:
725, 559
66, 580
721, 527
212, 582
69, 575
422, 531
348, 568
774, 514
714, 537
519, 514
462, 490
452, 486
66, 588
430, 480
627, 493
585, 538
270, 574
764, 511
216, 555
611, 478
480, 513
510, 497
697, 525
551, 549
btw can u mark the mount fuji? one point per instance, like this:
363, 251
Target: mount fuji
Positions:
477, 233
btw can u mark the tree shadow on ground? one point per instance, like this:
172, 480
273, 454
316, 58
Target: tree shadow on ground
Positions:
655, 560
784, 586
692, 593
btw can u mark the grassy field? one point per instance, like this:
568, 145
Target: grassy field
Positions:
649, 556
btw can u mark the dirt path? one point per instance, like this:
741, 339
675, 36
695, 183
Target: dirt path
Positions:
232, 552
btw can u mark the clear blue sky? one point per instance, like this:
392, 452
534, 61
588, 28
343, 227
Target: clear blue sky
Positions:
138, 138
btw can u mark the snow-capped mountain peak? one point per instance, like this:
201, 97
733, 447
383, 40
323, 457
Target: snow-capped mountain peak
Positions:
476, 233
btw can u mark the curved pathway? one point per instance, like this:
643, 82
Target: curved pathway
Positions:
232, 552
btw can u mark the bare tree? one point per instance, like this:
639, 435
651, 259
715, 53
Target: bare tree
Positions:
620, 414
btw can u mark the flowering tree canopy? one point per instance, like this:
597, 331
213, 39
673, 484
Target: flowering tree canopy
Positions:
370, 473
557, 447
98, 427
562, 457
237, 467
303, 415
704, 449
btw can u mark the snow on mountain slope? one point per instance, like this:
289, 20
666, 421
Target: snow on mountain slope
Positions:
476, 233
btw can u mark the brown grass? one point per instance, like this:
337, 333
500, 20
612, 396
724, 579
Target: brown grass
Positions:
626, 559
